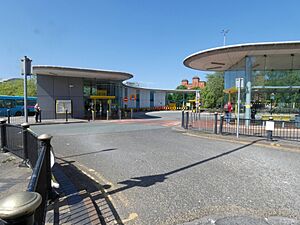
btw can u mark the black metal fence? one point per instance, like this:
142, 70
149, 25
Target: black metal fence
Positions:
219, 124
41, 180
35, 152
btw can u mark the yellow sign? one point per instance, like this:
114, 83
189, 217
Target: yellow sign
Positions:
102, 97
102, 92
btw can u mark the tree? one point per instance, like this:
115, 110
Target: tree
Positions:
177, 97
213, 92
15, 87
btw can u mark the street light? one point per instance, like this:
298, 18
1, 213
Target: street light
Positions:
224, 32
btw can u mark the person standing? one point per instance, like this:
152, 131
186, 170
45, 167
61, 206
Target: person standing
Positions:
37, 111
228, 110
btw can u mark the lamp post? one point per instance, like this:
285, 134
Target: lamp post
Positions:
25, 70
272, 97
224, 32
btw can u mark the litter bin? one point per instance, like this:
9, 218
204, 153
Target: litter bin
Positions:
297, 121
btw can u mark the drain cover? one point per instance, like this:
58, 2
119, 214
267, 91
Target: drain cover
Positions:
241, 220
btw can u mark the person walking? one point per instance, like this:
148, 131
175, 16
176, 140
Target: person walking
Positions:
37, 111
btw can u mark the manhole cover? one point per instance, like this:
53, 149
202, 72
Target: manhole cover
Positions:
241, 220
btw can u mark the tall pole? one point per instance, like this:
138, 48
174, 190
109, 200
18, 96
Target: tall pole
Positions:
238, 110
25, 98
224, 32
25, 70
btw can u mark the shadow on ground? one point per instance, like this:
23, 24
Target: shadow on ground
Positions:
147, 181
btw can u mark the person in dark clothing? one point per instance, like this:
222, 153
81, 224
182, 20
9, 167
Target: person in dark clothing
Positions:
89, 113
253, 112
37, 111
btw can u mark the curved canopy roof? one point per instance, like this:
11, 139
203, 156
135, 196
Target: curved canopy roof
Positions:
80, 72
280, 55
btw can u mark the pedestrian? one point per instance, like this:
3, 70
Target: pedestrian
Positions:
37, 111
253, 112
228, 110
89, 113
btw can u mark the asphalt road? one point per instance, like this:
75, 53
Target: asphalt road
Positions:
158, 175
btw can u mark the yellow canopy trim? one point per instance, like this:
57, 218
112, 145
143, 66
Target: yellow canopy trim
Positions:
102, 97
231, 90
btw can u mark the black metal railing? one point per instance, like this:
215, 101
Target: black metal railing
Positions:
40, 181
35, 152
220, 124
13, 140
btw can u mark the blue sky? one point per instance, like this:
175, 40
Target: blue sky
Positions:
149, 39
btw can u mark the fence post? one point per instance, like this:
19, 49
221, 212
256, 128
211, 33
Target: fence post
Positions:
18, 208
66, 115
221, 124
216, 123
8, 116
3, 135
182, 119
45, 142
187, 120
25, 162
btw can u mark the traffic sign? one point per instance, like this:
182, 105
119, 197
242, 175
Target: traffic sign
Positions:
239, 82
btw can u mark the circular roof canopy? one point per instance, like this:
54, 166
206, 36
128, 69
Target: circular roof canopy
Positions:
80, 72
279, 55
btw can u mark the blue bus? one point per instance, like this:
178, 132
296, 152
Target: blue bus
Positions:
15, 104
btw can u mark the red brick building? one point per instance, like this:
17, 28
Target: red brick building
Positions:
195, 83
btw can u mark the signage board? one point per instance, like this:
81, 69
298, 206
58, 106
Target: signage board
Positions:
102, 92
270, 125
239, 82
63, 105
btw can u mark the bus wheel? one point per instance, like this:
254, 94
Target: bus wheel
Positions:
18, 113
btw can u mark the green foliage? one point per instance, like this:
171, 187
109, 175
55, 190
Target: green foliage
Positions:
15, 87
177, 97
213, 92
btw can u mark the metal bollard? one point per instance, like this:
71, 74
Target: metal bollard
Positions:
40, 115
120, 114
221, 124
25, 162
93, 115
3, 134
66, 115
187, 120
216, 123
182, 119
19, 208
8, 116
131, 113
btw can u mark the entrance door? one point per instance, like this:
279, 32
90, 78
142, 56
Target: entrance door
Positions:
100, 108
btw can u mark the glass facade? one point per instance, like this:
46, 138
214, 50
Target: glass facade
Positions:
102, 96
273, 82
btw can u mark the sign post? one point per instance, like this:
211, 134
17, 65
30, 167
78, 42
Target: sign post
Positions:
239, 83
197, 100
25, 70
